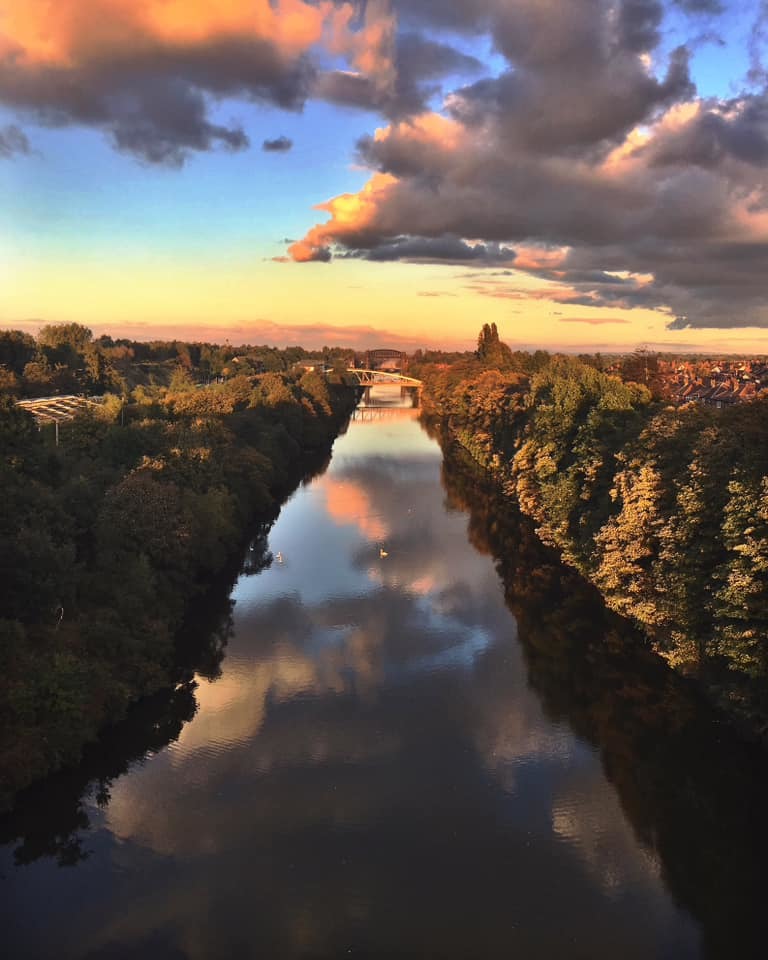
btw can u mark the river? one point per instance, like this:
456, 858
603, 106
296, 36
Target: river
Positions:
389, 762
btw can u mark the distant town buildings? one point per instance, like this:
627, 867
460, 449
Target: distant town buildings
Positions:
716, 382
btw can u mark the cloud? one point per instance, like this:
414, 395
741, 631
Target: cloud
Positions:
446, 249
593, 321
148, 73
701, 6
757, 41
278, 145
588, 144
13, 141
419, 67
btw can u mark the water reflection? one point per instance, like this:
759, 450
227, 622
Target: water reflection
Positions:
382, 768
694, 794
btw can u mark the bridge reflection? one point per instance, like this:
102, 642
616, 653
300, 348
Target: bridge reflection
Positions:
364, 413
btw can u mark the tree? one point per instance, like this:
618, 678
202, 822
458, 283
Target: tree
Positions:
490, 349
9, 382
642, 366
629, 543
18, 433
17, 349
742, 601
58, 335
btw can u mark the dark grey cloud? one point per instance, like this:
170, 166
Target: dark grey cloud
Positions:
469, 16
639, 22
319, 255
734, 130
445, 249
701, 6
278, 145
348, 89
420, 65
423, 58
13, 141
555, 110
705, 282
576, 77
577, 286
156, 104
757, 43
154, 98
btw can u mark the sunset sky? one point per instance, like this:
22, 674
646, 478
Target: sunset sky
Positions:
588, 174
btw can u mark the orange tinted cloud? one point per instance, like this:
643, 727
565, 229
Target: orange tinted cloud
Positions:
371, 48
539, 258
351, 214
354, 214
147, 72
429, 129
70, 32
594, 321
348, 503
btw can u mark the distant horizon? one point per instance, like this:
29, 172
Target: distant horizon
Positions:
377, 339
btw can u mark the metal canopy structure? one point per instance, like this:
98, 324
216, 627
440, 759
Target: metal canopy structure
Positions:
47, 410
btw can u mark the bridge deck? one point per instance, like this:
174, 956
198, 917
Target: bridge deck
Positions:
371, 378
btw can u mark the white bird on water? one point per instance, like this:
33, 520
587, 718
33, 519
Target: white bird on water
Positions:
279, 557
383, 553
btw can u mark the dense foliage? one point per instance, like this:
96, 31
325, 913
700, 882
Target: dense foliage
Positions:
109, 535
66, 358
664, 509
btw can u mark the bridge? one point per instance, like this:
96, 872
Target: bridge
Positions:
386, 358
386, 378
377, 378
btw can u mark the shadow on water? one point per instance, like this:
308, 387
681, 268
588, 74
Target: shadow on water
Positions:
50, 818
693, 791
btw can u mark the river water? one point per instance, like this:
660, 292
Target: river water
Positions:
388, 762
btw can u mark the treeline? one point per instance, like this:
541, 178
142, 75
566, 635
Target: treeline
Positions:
66, 359
108, 536
665, 510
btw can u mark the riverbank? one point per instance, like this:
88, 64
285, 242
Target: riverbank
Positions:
663, 510
117, 534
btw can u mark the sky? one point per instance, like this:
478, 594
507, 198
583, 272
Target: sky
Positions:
587, 174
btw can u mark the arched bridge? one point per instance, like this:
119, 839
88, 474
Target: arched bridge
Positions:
377, 378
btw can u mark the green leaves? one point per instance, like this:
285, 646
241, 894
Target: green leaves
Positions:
665, 510
108, 538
